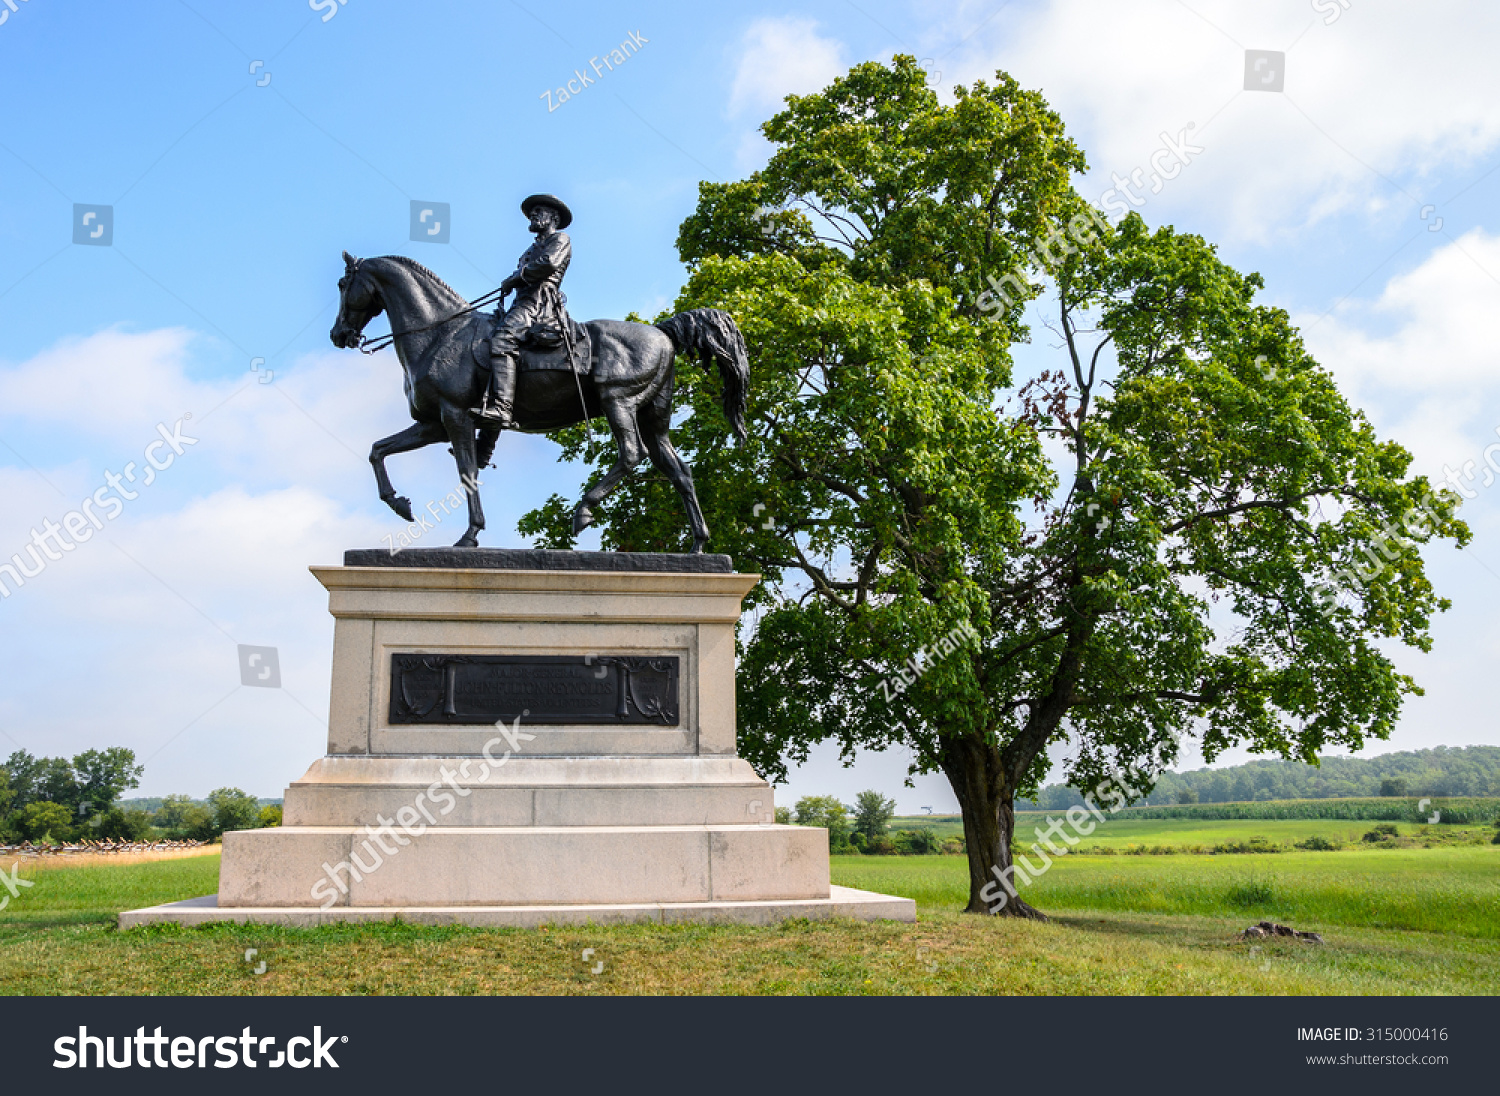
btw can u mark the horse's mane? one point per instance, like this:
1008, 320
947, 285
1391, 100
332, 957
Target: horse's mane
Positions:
422, 271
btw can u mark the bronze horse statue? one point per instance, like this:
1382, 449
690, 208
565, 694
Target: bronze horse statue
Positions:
630, 382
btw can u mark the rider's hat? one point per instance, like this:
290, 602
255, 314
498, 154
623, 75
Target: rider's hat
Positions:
564, 214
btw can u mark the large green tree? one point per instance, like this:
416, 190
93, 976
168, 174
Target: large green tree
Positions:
182, 816
1166, 532
105, 775
89, 783
233, 809
872, 814
42, 780
42, 821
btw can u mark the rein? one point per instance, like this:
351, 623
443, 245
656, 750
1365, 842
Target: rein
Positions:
381, 342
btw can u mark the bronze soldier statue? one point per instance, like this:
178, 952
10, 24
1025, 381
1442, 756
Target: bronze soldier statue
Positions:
625, 372
539, 303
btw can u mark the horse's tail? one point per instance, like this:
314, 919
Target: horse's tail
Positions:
707, 333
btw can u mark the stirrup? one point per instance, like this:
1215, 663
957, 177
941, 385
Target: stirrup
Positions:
493, 415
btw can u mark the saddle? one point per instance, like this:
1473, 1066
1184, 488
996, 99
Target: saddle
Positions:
544, 348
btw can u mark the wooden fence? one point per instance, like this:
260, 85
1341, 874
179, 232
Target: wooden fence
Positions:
95, 848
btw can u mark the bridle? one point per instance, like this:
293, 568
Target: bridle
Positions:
381, 342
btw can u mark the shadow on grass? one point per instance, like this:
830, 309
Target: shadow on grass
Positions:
58, 919
1188, 930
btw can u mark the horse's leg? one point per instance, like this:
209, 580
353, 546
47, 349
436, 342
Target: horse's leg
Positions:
461, 434
622, 422
654, 426
414, 436
488, 437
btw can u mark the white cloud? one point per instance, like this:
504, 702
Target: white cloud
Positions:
116, 386
781, 57
1420, 357
1406, 92
130, 637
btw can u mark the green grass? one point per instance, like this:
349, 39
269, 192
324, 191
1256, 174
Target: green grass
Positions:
1182, 833
944, 953
65, 894
1453, 891
1397, 921
1462, 810
944, 825
1125, 830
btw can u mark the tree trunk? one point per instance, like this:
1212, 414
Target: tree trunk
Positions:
987, 799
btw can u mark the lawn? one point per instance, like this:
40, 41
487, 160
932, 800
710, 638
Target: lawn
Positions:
71, 894
1397, 921
1447, 891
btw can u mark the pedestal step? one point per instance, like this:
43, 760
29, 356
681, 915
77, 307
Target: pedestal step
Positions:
841, 902
346, 866
530, 792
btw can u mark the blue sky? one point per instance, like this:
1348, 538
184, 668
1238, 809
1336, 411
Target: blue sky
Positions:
243, 147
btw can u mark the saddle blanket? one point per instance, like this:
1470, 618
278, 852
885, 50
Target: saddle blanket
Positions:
546, 350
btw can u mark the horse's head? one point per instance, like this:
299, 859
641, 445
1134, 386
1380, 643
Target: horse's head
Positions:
359, 303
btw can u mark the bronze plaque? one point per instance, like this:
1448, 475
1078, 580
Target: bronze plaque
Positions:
541, 689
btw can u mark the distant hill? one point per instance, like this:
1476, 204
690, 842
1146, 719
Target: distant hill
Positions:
1442, 771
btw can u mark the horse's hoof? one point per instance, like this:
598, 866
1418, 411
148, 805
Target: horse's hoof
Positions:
402, 506
698, 547
467, 541
582, 519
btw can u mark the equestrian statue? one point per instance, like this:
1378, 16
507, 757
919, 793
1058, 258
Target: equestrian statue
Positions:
471, 375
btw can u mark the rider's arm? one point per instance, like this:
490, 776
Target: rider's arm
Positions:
553, 259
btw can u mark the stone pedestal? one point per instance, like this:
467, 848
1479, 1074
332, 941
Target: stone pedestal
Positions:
518, 738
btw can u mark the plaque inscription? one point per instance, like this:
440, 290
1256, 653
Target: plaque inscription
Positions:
540, 689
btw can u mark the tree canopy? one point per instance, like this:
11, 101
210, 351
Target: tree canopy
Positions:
1167, 532
872, 814
91, 782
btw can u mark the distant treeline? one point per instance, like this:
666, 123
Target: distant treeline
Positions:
151, 804
1458, 812
54, 800
1442, 771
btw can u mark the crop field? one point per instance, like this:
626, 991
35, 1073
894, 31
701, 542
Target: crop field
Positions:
1398, 919
1454, 891
1286, 822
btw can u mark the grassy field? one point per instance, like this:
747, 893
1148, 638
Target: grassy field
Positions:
90, 894
1450, 891
1397, 921
1462, 810
1185, 834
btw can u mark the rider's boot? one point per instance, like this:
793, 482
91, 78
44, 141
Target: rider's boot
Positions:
499, 397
